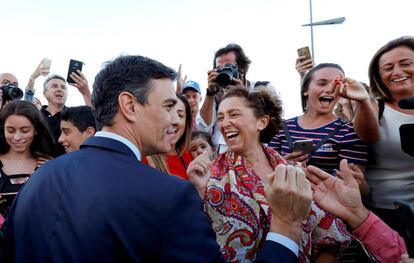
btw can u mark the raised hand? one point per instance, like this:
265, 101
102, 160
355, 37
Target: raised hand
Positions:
81, 83
212, 85
350, 89
303, 65
198, 172
40, 70
338, 195
180, 80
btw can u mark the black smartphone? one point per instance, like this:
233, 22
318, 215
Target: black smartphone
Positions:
74, 65
406, 219
305, 146
407, 138
7, 199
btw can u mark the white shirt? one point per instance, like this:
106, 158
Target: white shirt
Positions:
119, 138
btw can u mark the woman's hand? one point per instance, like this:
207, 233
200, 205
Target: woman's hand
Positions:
198, 173
303, 65
338, 195
297, 157
350, 89
180, 80
406, 259
41, 160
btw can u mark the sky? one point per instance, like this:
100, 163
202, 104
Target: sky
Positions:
188, 32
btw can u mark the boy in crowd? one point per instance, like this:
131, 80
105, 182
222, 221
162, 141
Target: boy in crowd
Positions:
192, 93
77, 124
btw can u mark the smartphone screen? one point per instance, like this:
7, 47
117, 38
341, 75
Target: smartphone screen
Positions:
305, 146
305, 52
74, 65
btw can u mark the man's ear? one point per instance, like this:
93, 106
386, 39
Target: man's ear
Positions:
90, 131
127, 105
201, 98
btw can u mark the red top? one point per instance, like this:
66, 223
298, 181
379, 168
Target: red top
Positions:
177, 165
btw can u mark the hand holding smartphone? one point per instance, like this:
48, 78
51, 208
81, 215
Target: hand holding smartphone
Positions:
304, 52
45, 66
74, 65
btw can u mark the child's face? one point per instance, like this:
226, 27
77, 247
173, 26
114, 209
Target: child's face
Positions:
71, 138
198, 146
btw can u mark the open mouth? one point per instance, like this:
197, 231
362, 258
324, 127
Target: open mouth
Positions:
231, 135
326, 100
171, 131
401, 79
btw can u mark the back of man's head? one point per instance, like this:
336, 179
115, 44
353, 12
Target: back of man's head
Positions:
81, 117
131, 74
50, 77
243, 62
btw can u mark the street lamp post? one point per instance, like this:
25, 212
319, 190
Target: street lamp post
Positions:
333, 21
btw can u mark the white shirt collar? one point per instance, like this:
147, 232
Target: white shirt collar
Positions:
119, 138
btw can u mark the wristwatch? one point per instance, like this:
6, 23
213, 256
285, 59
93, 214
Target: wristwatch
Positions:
211, 93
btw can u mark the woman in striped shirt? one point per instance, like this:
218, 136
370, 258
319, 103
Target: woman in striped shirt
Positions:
333, 139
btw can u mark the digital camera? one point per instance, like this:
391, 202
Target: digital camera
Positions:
227, 74
11, 92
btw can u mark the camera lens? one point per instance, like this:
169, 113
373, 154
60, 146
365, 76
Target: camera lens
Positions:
15, 93
224, 78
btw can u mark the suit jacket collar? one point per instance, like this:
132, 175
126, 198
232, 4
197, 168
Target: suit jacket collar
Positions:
108, 144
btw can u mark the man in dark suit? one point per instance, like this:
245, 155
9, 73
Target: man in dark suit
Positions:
101, 204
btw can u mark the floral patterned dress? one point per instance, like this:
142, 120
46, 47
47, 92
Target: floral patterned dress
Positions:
241, 216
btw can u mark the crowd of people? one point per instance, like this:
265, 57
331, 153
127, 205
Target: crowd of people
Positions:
143, 173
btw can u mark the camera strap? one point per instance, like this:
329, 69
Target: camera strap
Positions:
319, 144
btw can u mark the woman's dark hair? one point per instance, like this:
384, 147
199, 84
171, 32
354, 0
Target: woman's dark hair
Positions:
262, 102
308, 78
204, 135
378, 88
42, 142
183, 143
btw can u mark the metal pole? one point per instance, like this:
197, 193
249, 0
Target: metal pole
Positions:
311, 28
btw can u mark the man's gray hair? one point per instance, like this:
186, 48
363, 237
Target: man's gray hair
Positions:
50, 77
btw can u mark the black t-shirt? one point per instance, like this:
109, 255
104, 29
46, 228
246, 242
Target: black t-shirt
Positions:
6, 186
54, 126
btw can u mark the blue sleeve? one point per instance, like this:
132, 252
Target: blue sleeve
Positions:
275, 253
28, 95
189, 236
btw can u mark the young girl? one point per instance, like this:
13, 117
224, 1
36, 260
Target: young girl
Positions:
26, 144
202, 142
